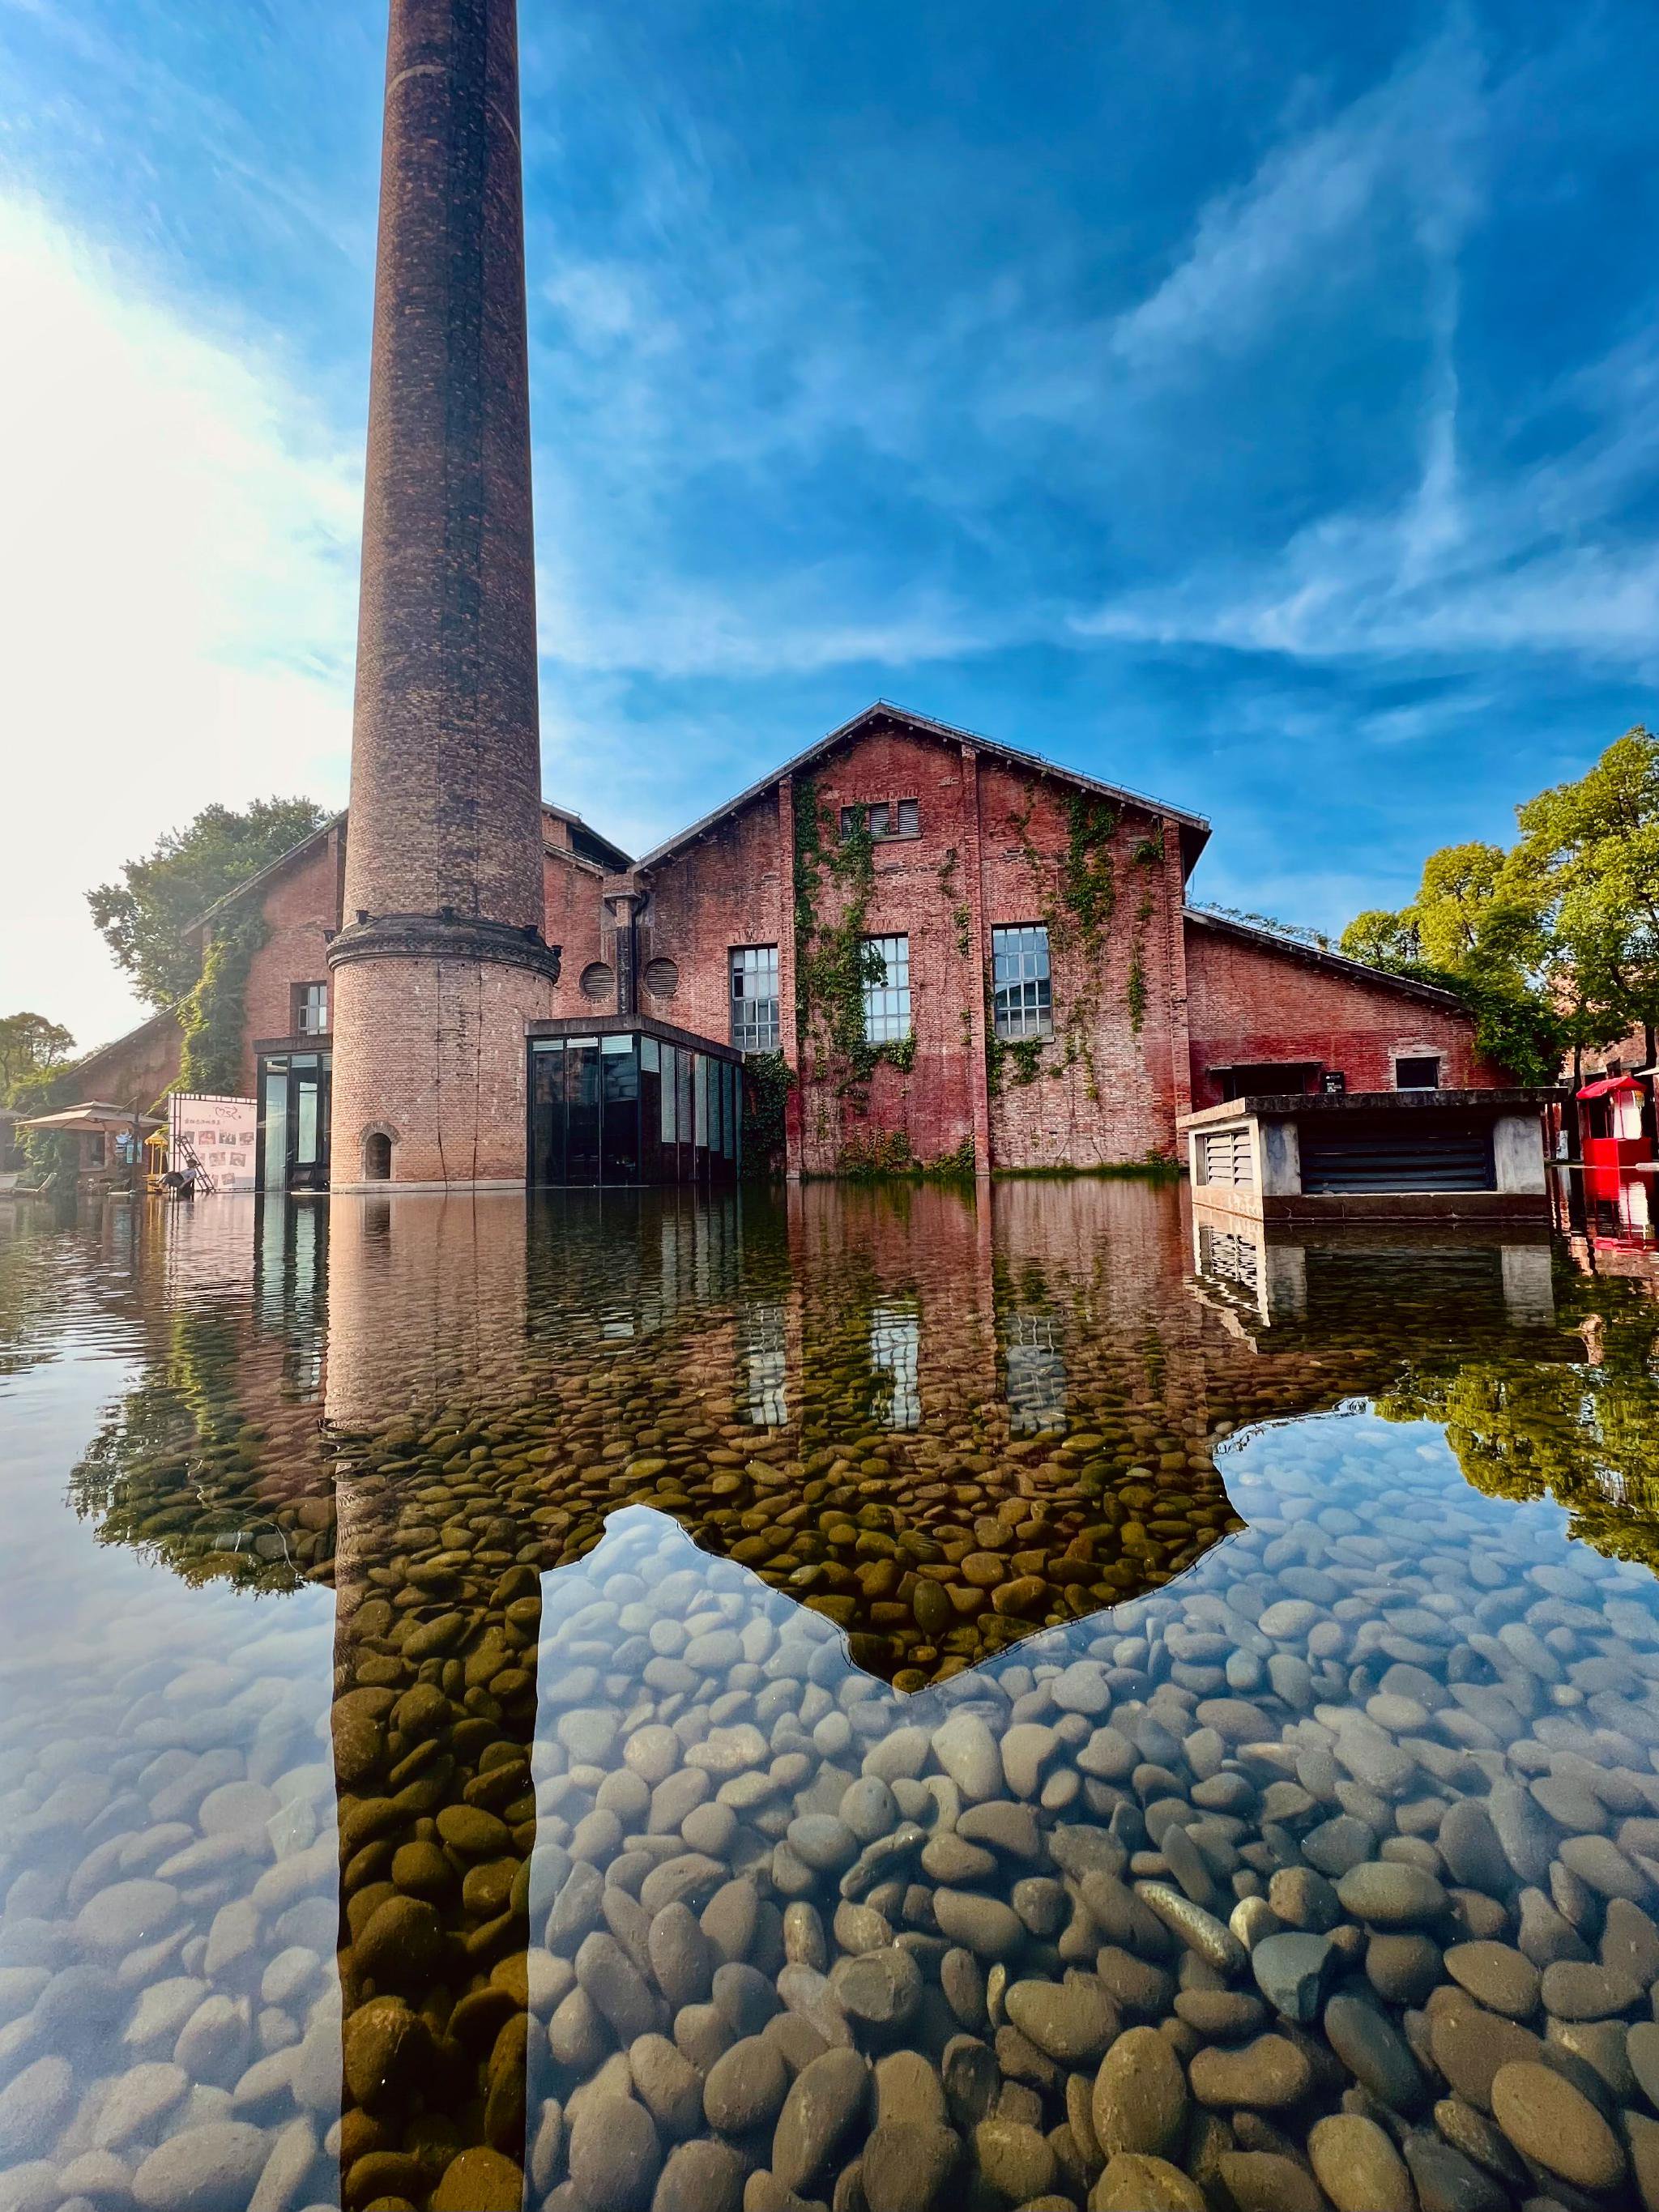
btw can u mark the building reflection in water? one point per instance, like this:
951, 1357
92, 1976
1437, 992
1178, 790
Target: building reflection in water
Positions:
764, 1362
853, 1395
895, 1359
1281, 1276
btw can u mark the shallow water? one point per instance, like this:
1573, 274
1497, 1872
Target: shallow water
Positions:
875, 1698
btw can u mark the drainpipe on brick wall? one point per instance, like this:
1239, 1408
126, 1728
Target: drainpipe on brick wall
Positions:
1181, 1046
624, 908
787, 1042
979, 1075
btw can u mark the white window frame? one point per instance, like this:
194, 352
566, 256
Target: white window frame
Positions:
887, 1011
746, 964
1022, 981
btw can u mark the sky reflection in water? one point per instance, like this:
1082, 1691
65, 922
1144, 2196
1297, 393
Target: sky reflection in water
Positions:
555, 1801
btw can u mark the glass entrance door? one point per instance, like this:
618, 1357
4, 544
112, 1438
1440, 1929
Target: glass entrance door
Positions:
294, 1117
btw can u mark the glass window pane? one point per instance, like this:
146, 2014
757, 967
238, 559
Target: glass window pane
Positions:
650, 1055
276, 1124
305, 1145
754, 971
620, 1094
887, 989
582, 1110
670, 1057
1022, 993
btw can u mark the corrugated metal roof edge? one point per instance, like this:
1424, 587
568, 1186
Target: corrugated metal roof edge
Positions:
1339, 962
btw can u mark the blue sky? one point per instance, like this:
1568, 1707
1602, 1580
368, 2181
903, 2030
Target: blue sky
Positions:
1256, 405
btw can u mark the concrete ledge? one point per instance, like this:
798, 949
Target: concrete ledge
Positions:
391, 1189
1294, 1104
1245, 1203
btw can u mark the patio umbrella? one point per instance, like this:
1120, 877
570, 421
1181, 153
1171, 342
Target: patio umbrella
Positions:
93, 1118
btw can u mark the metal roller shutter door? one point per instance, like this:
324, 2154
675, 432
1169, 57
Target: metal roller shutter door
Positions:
1334, 1162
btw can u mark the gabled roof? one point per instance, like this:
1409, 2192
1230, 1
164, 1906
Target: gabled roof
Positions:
271, 868
1315, 956
605, 853
586, 843
156, 1021
1194, 830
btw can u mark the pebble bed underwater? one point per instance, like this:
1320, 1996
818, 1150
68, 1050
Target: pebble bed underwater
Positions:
893, 1699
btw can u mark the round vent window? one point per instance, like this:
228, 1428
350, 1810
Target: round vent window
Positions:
662, 978
598, 979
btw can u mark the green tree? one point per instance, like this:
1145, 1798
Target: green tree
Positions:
145, 915
1478, 930
1383, 939
28, 1043
1589, 852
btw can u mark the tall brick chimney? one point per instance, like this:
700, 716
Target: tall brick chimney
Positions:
442, 961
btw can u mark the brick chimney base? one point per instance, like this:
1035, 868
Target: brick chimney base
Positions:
445, 1040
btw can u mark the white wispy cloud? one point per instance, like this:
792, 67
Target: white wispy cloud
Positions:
1254, 247
1520, 551
1538, 558
178, 589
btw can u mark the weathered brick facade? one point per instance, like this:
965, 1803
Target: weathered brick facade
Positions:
1154, 1003
998, 842
1253, 999
302, 910
140, 1067
440, 960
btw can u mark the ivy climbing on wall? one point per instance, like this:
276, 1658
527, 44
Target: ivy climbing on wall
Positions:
767, 1080
1076, 905
212, 1015
834, 961
962, 918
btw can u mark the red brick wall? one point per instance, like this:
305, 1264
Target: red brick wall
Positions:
575, 923
1108, 1091
143, 1067
933, 1102
440, 1068
731, 887
1249, 1002
302, 905
1109, 1086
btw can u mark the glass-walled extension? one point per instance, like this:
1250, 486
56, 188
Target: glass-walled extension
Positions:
294, 1109
632, 1104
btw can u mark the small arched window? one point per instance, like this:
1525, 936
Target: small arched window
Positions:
377, 1156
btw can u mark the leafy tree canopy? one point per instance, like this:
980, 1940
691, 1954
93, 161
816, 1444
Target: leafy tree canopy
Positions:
144, 916
1552, 943
29, 1043
1590, 850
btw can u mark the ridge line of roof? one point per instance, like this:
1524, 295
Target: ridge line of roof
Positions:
1321, 956
1037, 761
277, 860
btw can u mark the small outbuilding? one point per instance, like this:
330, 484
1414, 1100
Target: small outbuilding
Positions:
1374, 1155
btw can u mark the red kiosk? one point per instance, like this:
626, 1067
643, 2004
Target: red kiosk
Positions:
1610, 1123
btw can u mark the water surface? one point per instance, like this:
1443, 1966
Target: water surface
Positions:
875, 1698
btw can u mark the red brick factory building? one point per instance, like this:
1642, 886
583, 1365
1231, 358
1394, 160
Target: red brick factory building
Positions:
963, 953
908, 947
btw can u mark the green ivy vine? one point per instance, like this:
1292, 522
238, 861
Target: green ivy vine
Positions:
834, 965
962, 916
768, 1079
1078, 916
873, 1156
212, 1016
